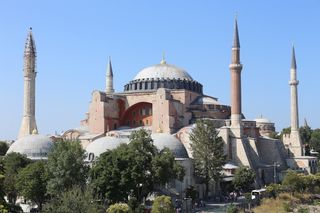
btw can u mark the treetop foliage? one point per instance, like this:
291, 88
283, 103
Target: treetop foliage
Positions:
3, 148
13, 163
32, 182
133, 169
244, 178
207, 151
73, 200
66, 167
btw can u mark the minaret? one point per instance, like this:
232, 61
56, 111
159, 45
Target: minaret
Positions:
235, 68
28, 124
295, 140
109, 79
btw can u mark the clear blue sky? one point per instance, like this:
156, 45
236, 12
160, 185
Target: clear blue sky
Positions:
75, 38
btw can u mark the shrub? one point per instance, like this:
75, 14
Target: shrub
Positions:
118, 208
273, 190
303, 210
232, 208
162, 204
287, 207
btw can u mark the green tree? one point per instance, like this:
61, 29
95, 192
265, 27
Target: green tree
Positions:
285, 131
13, 163
293, 182
315, 140
66, 167
3, 148
244, 178
32, 181
192, 193
133, 169
2, 178
162, 204
118, 208
74, 200
273, 190
207, 151
305, 134
2, 193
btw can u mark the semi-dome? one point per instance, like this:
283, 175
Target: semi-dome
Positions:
162, 140
97, 147
35, 146
163, 70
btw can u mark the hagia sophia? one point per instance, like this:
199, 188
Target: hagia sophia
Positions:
166, 101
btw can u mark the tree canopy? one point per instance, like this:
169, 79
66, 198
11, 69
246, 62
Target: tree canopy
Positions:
32, 182
133, 169
13, 163
207, 151
244, 178
3, 148
315, 140
66, 167
73, 200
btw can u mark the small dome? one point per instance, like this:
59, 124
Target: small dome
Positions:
35, 147
262, 120
97, 147
162, 140
163, 70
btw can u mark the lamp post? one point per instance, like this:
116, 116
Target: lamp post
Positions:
275, 165
186, 199
139, 190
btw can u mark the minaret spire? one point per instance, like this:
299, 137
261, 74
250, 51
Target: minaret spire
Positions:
109, 78
28, 124
235, 68
293, 59
294, 93
296, 145
236, 41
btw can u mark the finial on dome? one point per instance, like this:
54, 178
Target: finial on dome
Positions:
34, 131
163, 61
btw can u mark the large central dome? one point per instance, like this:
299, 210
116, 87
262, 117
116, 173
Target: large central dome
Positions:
162, 75
163, 70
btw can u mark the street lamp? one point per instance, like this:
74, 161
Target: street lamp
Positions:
186, 199
139, 190
275, 165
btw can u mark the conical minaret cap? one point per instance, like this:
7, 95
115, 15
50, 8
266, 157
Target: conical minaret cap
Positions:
236, 41
109, 70
30, 46
293, 60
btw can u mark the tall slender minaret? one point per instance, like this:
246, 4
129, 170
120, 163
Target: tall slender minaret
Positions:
235, 68
109, 79
28, 124
295, 140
